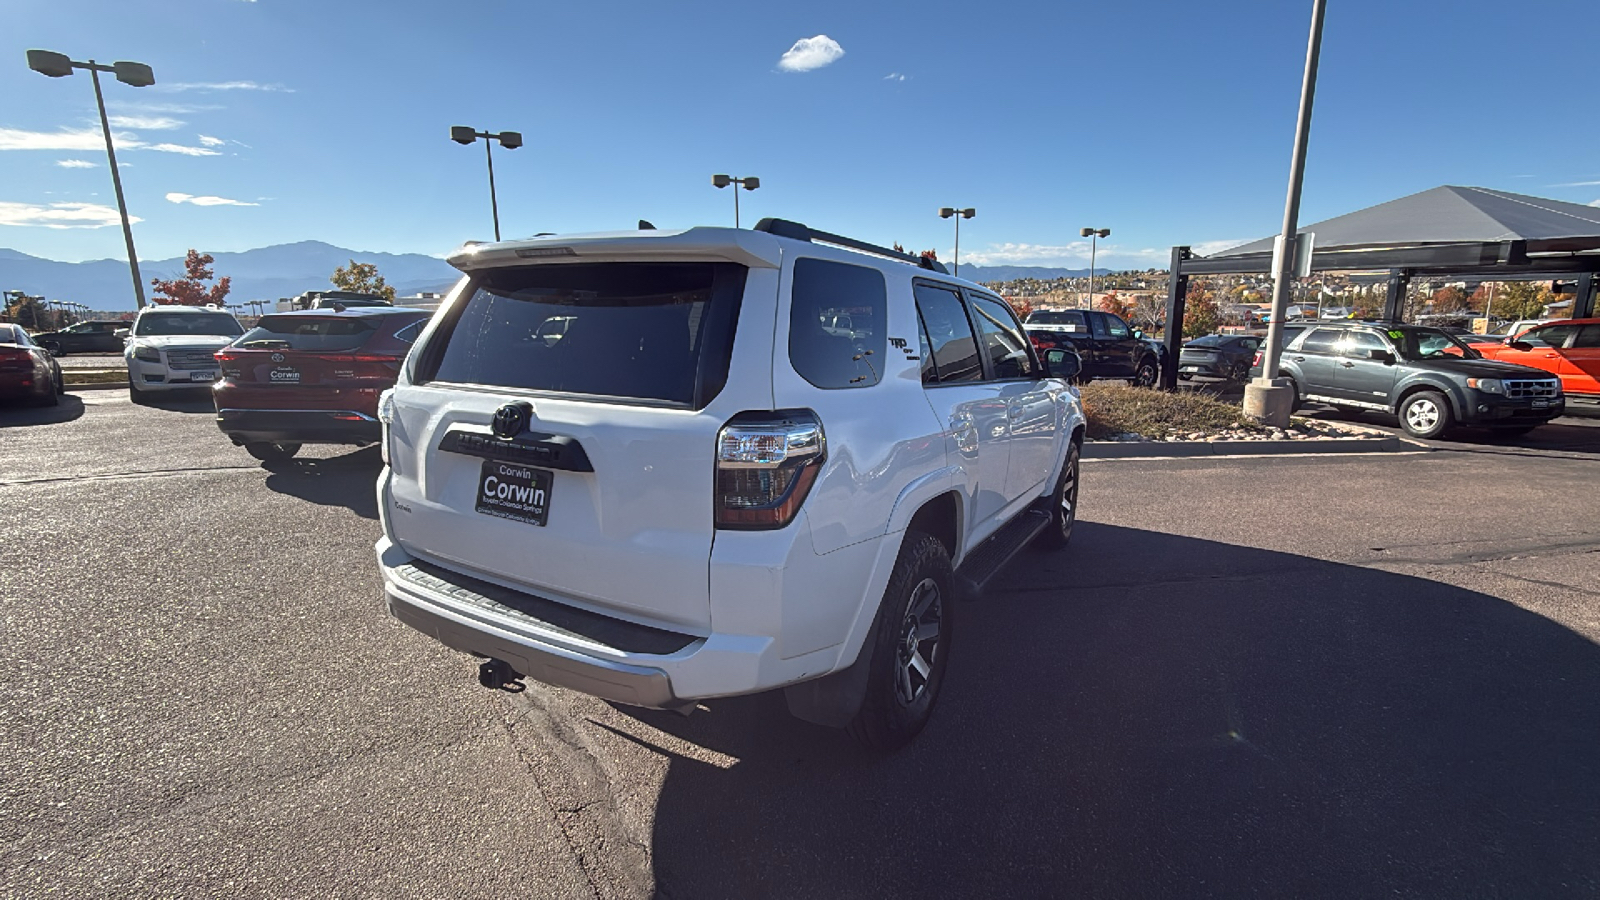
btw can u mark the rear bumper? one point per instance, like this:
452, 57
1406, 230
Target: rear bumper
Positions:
1210, 368
572, 648
301, 426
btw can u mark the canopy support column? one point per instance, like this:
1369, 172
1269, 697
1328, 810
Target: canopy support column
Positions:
1177, 299
1394, 302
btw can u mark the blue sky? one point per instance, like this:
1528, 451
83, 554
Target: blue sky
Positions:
1168, 123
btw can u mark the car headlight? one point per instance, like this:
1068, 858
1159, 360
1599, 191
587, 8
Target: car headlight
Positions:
1487, 385
146, 353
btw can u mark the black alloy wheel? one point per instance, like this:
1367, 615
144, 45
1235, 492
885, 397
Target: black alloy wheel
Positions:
1146, 374
910, 646
1063, 502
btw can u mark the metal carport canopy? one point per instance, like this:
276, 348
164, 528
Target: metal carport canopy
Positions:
1445, 231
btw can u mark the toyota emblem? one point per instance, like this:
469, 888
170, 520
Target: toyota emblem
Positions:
277, 357
509, 420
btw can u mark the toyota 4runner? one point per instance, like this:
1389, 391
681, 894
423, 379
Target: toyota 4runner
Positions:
664, 466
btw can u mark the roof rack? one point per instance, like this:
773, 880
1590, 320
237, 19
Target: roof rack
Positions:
801, 232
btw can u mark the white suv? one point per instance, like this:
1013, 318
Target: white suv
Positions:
174, 348
653, 467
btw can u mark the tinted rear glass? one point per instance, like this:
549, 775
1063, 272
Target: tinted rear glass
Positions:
1070, 317
634, 331
308, 334
8, 335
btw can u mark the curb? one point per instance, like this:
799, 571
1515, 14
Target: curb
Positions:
97, 386
1143, 449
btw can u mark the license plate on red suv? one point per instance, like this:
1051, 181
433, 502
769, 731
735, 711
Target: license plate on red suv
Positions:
514, 491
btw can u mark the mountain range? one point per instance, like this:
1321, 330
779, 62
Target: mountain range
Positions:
287, 270
266, 273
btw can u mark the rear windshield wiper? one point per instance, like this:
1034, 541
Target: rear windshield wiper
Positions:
264, 343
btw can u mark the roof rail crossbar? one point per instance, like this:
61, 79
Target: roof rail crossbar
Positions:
801, 232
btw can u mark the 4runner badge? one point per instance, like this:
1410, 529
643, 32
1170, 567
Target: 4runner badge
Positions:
509, 420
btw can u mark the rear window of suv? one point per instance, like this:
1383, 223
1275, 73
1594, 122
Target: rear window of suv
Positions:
309, 334
644, 332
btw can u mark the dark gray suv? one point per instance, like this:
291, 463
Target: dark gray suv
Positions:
1427, 377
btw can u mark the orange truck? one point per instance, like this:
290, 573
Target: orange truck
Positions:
1567, 348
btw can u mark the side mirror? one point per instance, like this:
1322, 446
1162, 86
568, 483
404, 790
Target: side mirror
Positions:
1380, 355
1063, 364
1138, 334
1524, 346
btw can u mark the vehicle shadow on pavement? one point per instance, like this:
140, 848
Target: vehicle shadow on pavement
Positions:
1148, 715
16, 415
349, 480
184, 401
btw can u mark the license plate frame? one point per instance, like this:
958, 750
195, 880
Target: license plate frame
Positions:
519, 492
205, 377
1541, 403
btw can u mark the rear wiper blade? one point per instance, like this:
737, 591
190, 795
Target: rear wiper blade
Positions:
268, 342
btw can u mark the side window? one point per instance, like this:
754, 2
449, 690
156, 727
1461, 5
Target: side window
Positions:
836, 323
1117, 328
410, 333
955, 353
1098, 322
1588, 338
930, 373
1006, 347
1250, 344
1356, 344
1322, 340
1553, 336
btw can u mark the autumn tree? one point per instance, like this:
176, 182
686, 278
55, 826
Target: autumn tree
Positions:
1449, 300
1521, 300
191, 289
362, 278
1200, 315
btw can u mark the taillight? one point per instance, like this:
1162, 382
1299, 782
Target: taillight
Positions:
766, 463
14, 356
224, 356
1257, 361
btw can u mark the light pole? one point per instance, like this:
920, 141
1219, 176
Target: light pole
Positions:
1266, 400
946, 212
1094, 235
59, 65
749, 183
510, 140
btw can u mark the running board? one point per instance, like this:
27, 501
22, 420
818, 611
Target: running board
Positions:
982, 564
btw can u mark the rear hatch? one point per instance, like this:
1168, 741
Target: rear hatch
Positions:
296, 360
558, 431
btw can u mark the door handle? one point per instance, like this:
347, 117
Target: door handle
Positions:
1299, 359
1549, 356
1348, 365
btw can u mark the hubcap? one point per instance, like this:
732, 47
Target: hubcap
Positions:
919, 643
1422, 415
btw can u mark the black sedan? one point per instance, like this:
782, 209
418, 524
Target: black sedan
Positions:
27, 371
1218, 356
84, 337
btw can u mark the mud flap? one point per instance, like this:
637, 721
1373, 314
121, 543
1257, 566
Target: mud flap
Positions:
833, 700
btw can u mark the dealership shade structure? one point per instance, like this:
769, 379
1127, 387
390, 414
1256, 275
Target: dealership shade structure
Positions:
1445, 232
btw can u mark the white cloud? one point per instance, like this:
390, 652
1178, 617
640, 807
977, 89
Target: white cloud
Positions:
894, 76
810, 53
180, 148
210, 141
76, 164
154, 123
176, 197
60, 215
69, 139
1595, 203
224, 86
1577, 184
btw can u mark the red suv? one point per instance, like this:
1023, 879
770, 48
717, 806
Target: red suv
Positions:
312, 377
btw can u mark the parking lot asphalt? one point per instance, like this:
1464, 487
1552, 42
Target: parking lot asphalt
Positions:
1333, 676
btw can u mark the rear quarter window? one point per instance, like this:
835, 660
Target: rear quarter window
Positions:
836, 323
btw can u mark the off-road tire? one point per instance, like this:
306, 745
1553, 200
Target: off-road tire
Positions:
1426, 414
1063, 502
885, 722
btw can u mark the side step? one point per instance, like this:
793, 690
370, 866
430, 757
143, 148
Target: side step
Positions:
982, 564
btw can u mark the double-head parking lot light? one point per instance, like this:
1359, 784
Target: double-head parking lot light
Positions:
1093, 234
510, 140
59, 65
749, 183
950, 212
